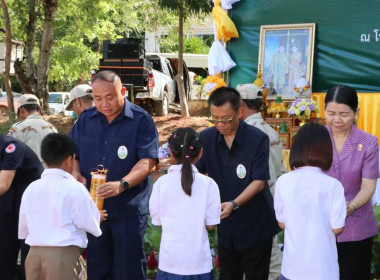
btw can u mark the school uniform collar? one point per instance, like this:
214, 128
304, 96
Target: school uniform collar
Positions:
178, 167
56, 172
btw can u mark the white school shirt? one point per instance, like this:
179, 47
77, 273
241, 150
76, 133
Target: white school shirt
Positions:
185, 248
57, 210
310, 204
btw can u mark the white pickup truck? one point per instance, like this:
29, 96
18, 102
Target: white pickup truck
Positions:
162, 88
149, 79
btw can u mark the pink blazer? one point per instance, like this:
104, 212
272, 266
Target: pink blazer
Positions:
359, 158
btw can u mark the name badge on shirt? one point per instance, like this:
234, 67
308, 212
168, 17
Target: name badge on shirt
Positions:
241, 171
122, 152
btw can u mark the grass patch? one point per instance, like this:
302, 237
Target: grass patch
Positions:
6, 123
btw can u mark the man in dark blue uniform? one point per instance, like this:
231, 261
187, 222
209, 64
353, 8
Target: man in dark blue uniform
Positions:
235, 155
123, 138
19, 166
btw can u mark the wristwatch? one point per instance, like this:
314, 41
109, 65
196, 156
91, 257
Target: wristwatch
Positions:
124, 184
234, 204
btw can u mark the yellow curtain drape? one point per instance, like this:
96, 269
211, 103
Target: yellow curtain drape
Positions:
369, 114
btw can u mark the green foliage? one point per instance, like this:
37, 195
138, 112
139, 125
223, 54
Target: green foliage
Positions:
80, 26
152, 236
4, 126
70, 61
190, 6
200, 80
195, 45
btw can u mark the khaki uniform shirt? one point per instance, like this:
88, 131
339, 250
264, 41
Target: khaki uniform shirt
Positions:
31, 131
276, 168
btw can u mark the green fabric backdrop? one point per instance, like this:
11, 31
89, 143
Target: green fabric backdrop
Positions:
339, 55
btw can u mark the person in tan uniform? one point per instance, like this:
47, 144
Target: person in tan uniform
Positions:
80, 99
33, 128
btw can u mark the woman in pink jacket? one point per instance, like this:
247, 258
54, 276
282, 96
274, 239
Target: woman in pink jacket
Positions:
356, 166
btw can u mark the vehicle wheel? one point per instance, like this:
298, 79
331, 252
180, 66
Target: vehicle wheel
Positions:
161, 107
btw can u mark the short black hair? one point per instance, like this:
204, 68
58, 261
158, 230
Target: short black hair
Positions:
31, 107
343, 95
222, 95
56, 147
254, 104
312, 146
87, 99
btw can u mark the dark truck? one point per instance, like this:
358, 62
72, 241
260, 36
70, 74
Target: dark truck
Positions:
149, 79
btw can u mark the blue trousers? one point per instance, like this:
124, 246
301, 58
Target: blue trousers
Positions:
118, 253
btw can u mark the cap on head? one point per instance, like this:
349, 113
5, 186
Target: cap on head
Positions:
249, 91
78, 91
28, 99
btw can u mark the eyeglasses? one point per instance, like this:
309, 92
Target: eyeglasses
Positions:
224, 121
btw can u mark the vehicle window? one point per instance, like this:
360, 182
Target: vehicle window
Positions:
55, 98
165, 67
156, 65
170, 70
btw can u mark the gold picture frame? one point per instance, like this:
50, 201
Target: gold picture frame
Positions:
285, 56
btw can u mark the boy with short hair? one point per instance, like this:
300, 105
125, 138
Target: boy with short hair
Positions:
55, 214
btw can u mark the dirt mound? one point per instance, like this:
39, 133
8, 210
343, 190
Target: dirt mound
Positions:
166, 125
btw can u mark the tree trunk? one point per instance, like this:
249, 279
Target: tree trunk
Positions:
28, 80
29, 45
7, 60
50, 8
24, 82
179, 76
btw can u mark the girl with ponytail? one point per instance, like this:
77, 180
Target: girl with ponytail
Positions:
186, 204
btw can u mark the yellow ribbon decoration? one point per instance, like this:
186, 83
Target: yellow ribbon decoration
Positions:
225, 27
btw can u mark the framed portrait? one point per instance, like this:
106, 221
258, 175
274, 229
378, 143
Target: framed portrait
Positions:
286, 57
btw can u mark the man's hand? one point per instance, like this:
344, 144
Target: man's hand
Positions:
103, 215
227, 208
109, 189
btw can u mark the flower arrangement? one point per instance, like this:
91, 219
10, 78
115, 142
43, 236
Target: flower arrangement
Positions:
214, 82
302, 108
164, 151
277, 107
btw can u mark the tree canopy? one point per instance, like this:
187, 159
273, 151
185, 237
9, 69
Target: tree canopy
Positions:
80, 26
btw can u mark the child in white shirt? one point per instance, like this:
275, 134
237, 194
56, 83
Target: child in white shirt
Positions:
186, 204
55, 214
310, 207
